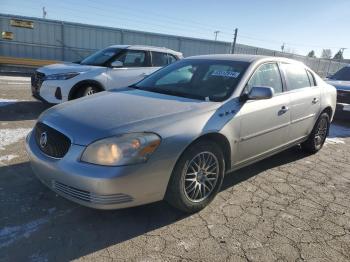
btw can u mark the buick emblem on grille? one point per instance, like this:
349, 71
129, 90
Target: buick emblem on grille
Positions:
43, 139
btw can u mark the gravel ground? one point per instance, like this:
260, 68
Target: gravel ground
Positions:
290, 207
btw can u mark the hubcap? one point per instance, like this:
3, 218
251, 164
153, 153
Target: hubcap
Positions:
90, 92
201, 176
321, 132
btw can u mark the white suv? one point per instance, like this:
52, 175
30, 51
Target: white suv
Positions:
112, 67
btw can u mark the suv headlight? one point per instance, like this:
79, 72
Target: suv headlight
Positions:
121, 150
63, 76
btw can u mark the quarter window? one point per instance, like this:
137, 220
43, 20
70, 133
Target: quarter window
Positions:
296, 76
267, 75
171, 58
311, 78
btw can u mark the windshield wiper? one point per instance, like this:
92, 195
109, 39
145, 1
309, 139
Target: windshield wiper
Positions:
174, 93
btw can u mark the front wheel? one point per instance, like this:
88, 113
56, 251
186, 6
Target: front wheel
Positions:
87, 91
318, 135
197, 177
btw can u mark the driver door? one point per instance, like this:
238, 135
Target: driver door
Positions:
135, 67
264, 124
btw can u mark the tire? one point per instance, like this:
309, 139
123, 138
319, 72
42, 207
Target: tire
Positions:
184, 177
318, 135
86, 91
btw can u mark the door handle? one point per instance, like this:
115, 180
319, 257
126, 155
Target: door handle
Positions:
284, 109
315, 100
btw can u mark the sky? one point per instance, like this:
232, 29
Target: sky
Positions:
303, 25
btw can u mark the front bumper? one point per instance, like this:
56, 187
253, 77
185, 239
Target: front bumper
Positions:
96, 186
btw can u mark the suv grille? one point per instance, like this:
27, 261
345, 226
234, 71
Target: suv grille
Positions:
50, 141
343, 96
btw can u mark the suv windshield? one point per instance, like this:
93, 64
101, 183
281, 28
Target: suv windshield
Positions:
213, 80
100, 57
343, 74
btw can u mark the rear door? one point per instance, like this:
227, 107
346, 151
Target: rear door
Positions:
264, 123
304, 99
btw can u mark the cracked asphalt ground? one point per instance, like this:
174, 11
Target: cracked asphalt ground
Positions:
290, 207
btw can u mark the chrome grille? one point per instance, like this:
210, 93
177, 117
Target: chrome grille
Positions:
86, 196
57, 144
343, 96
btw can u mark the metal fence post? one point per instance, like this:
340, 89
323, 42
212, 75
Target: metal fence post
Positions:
62, 41
122, 36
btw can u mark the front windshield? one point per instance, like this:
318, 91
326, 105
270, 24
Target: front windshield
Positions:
213, 80
100, 57
343, 74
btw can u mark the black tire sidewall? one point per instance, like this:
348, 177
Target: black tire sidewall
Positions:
309, 145
322, 116
175, 193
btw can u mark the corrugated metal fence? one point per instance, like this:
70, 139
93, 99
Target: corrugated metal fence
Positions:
66, 41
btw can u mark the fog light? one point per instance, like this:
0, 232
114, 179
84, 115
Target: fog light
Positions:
58, 93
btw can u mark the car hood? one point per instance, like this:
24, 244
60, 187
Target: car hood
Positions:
65, 68
340, 85
119, 111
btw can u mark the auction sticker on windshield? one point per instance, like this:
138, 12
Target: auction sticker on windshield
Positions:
232, 74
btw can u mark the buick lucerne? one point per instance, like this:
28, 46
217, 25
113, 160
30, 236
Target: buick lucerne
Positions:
175, 134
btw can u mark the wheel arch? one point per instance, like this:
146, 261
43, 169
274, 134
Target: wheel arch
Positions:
80, 84
328, 110
219, 139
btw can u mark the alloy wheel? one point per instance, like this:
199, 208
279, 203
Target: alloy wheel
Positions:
321, 132
200, 176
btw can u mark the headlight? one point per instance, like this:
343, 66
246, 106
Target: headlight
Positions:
63, 76
121, 150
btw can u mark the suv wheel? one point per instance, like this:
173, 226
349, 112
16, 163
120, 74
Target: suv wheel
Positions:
87, 91
197, 177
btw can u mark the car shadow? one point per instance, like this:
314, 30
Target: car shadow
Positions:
38, 222
22, 110
339, 129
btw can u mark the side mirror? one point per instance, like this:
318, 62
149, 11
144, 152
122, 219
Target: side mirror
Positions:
260, 92
117, 64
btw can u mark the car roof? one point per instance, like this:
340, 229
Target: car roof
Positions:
244, 58
148, 48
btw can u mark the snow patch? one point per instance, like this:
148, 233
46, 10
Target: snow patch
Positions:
333, 141
8, 235
7, 158
6, 102
10, 136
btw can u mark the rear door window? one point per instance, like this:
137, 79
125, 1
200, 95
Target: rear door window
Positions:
296, 76
159, 59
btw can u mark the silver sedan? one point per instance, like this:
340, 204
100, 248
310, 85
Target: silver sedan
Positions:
175, 134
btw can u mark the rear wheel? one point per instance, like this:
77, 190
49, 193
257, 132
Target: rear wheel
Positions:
197, 177
318, 135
